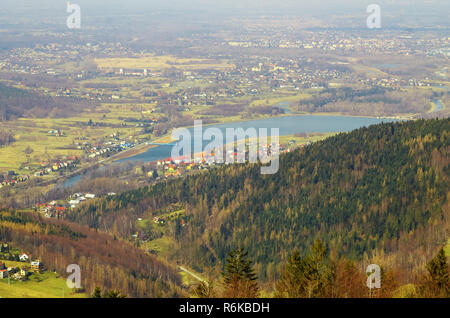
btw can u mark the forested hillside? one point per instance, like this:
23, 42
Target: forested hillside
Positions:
381, 191
105, 261
15, 102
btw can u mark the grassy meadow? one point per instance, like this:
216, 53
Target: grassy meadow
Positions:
45, 285
160, 62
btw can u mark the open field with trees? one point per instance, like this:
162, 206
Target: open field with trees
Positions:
105, 260
45, 285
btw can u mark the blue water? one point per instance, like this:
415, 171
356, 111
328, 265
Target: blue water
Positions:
438, 104
287, 125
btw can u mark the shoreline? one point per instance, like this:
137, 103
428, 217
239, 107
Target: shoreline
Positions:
139, 149
409, 117
166, 139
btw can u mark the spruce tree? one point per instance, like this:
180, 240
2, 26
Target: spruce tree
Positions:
204, 290
97, 293
308, 277
438, 270
292, 281
239, 277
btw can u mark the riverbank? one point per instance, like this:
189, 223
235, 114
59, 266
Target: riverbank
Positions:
142, 148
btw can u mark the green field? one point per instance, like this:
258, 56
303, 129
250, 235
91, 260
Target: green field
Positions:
161, 62
32, 133
162, 246
274, 100
45, 285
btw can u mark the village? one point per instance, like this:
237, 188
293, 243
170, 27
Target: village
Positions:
257, 76
181, 166
242, 90
158, 171
18, 271
92, 153
56, 209
11, 178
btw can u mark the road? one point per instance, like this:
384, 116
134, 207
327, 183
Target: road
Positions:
192, 274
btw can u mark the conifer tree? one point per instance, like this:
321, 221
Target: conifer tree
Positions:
97, 293
204, 290
291, 283
239, 277
438, 270
308, 277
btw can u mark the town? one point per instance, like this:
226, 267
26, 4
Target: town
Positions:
158, 171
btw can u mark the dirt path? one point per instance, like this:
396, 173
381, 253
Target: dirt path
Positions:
192, 274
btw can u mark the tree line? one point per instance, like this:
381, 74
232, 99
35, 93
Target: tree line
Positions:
6, 137
15, 103
375, 101
317, 275
370, 193
105, 260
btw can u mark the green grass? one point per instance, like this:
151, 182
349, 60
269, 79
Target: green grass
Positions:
33, 133
173, 215
144, 224
187, 279
272, 101
161, 62
405, 291
14, 264
45, 285
162, 246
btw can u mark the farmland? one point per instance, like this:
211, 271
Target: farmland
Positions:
38, 285
161, 62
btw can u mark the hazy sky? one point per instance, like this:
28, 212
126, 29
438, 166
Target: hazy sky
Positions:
208, 9
247, 6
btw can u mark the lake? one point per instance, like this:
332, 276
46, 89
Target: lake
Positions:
438, 105
287, 125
